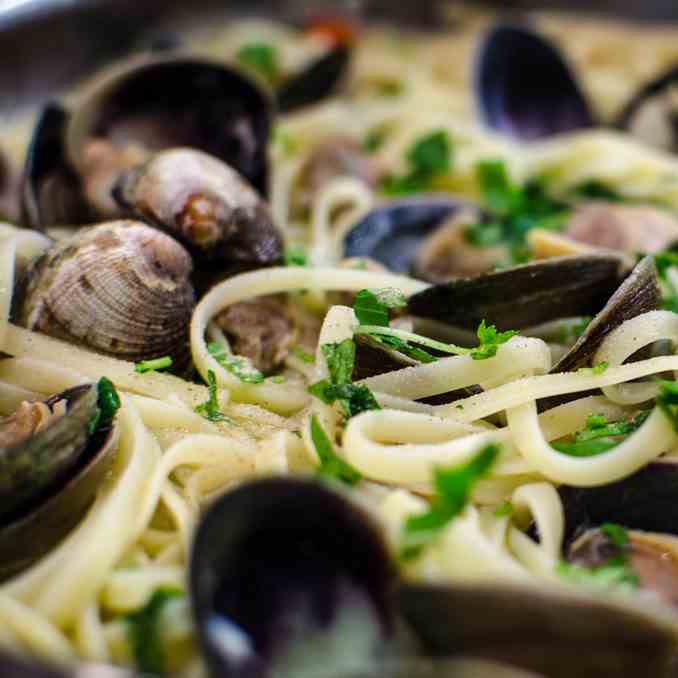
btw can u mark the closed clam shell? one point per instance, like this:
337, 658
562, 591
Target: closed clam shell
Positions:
121, 288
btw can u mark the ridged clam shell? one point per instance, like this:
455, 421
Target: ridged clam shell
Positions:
120, 288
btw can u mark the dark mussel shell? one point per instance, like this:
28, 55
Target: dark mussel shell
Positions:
171, 101
317, 81
638, 294
556, 633
652, 114
524, 88
645, 500
54, 510
392, 233
278, 562
51, 191
522, 296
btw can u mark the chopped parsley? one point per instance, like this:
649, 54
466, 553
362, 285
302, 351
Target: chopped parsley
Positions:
665, 261
302, 355
237, 365
371, 306
599, 435
615, 573
210, 408
331, 464
453, 487
295, 256
596, 370
569, 333
262, 59
374, 139
667, 400
594, 189
354, 398
153, 365
277, 379
488, 336
143, 632
428, 159
108, 403
504, 510
514, 210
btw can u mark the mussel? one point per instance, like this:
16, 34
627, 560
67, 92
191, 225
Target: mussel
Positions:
316, 81
120, 288
425, 236
53, 457
524, 88
286, 576
144, 106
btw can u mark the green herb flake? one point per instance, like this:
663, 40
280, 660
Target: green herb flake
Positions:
497, 191
490, 340
239, 366
302, 355
331, 465
143, 632
667, 401
406, 348
340, 360
210, 408
108, 404
428, 158
599, 436
372, 306
616, 533
261, 58
453, 487
277, 379
617, 576
374, 140
153, 365
504, 510
594, 189
295, 256
595, 371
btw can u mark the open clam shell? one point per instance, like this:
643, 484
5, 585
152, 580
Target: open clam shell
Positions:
285, 573
524, 88
120, 288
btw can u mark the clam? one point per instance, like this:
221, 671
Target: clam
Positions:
204, 204
316, 81
53, 457
120, 288
143, 106
524, 88
424, 236
285, 575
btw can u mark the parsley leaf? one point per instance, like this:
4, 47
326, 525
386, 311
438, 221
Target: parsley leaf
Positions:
405, 348
331, 464
428, 159
262, 58
143, 632
504, 510
600, 435
371, 306
596, 370
616, 533
108, 404
614, 575
237, 365
453, 487
667, 400
304, 356
374, 140
340, 361
153, 365
295, 256
210, 408
596, 190
665, 261
490, 340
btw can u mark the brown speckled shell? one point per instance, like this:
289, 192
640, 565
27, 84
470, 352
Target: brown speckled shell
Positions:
121, 288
